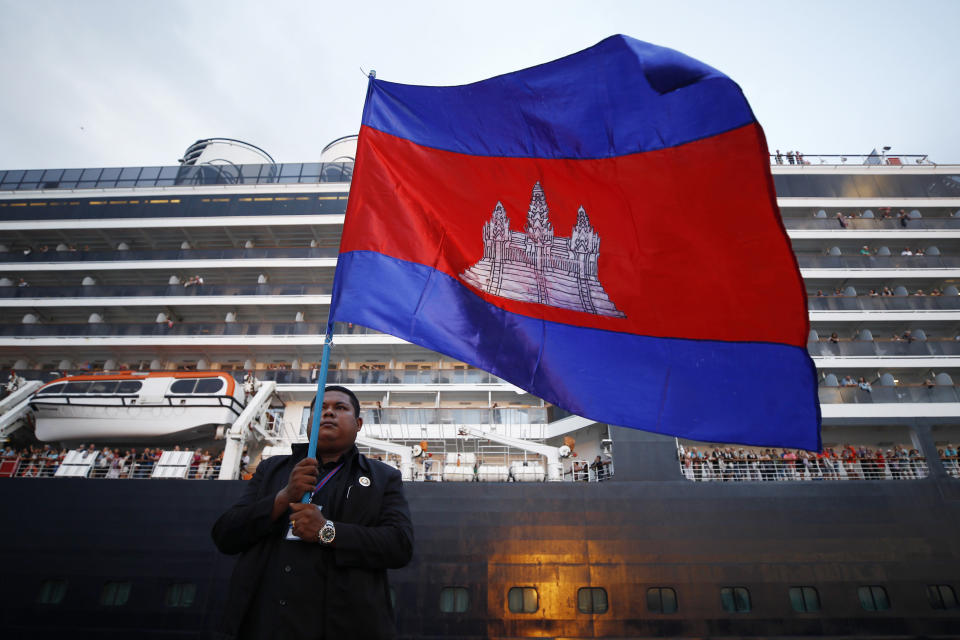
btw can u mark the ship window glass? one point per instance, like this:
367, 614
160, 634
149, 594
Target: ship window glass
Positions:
942, 596
804, 599
103, 386
735, 599
129, 386
90, 174
72, 174
523, 600
661, 600
110, 174
210, 385
33, 175
183, 386
52, 389
13, 177
454, 599
52, 175
592, 600
52, 592
115, 594
149, 173
129, 173
873, 598
181, 595
77, 387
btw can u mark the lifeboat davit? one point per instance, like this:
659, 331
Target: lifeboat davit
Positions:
132, 406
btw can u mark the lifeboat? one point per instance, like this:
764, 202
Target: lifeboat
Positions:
132, 406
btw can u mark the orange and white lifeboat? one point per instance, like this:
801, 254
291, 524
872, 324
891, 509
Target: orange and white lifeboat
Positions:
133, 406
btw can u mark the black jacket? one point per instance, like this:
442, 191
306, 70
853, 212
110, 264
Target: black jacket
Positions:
374, 533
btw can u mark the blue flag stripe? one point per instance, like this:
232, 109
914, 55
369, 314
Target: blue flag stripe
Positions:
688, 388
619, 97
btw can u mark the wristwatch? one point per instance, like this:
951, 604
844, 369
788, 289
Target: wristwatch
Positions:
327, 532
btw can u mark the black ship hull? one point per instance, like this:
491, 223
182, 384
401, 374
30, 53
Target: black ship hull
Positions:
626, 536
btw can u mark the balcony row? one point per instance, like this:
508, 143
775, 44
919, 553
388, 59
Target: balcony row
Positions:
846, 300
170, 290
104, 329
879, 261
248, 253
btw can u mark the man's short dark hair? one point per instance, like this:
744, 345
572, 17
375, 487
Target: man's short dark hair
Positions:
333, 387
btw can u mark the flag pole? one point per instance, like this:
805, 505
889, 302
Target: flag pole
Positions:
318, 400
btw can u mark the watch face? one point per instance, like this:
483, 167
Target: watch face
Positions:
327, 533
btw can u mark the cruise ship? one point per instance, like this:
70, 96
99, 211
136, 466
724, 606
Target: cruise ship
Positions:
181, 309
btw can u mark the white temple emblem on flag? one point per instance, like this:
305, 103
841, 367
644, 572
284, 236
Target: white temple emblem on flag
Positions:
536, 266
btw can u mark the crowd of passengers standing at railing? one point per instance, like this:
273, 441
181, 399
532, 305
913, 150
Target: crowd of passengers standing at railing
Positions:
43, 461
727, 464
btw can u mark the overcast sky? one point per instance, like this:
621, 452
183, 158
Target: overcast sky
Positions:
126, 83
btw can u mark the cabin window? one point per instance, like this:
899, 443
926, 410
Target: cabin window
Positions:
735, 599
592, 600
210, 385
873, 598
52, 389
52, 592
77, 387
183, 386
804, 599
523, 600
129, 386
661, 600
181, 595
103, 387
942, 596
454, 599
115, 594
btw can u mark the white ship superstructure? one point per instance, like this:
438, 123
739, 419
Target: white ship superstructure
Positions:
214, 265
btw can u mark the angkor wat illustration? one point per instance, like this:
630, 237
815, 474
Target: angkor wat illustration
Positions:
535, 266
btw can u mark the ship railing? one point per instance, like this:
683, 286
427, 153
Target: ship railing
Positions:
880, 394
807, 261
142, 291
160, 329
132, 255
883, 303
309, 376
885, 348
831, 224
869, 160
31, 468
584, 472
799, 471
130, 177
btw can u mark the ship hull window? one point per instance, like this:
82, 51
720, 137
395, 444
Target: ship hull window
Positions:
454, 599
942, 596
523, 600
735, 599
181, 595
115, 594
804, 599
592, 600
873, 598
52, 592
661, 600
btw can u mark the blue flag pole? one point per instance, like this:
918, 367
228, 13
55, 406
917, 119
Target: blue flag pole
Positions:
318, 401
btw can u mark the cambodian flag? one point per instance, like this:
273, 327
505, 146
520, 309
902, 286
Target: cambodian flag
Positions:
601, 230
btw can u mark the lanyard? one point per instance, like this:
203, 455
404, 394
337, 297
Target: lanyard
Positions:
324, 481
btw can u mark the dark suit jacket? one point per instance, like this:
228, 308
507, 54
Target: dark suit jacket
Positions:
374, 533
